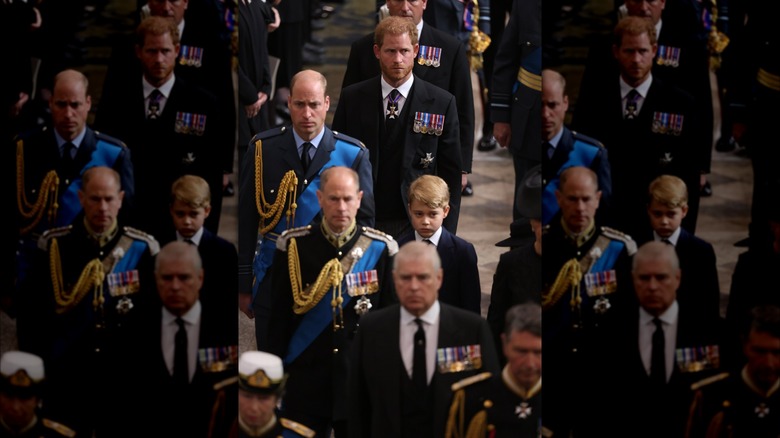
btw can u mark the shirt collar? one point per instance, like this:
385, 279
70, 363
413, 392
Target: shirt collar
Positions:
192, 316
315, 142
642, 88
419, 30
672, 239
509, 381
581, 238
669, 317
434, 238
556, 138
165, 88
76, 141
404, 88
429, 317
195, 237
749, 382
180, 26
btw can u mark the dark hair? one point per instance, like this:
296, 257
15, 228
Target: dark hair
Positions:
525, 317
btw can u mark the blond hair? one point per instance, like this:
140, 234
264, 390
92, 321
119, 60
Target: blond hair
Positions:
431, 191
669, 190
191, 190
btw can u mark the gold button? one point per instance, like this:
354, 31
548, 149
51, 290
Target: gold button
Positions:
335, 351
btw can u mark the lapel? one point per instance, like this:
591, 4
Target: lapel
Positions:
446, 248
648, 106
565, 145
84, 152
322, 154
168, 116
426, 39
289, 150
390, 358
372, 113
418, 98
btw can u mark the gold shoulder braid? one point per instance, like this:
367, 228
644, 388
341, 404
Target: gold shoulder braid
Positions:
478, 425
478, 42
49, 191
287, 195
91, 277
570, 276
330, 276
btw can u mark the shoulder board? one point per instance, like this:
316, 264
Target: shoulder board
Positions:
24, 135
59, 428
298, 428
43, 241
471, 380
281, 241
110, 139
708, 381
227, 382
154, 245
269, 133
392, 245
348, 139
586, 139
619, 235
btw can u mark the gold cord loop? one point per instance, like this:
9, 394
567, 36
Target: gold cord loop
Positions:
286, 196
329, 277
47, 195
569, 276
91, 277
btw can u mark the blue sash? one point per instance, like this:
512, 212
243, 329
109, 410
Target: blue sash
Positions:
608, 257
105, 154
582, 154
132, 256
318, 318
308, 207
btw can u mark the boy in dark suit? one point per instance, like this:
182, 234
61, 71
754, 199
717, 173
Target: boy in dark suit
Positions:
429, 204
190, 206
667, 206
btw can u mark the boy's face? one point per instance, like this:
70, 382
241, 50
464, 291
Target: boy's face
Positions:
426, 220
186, 219
664, 220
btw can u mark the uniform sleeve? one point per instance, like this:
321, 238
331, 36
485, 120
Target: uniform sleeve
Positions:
470, 289
367, 212
247, 226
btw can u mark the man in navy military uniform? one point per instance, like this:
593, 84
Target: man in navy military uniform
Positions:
273, 178
53, 159
22, 379
442, 60
325, 277
89, 280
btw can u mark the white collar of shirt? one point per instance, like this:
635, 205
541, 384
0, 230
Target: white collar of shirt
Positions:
168, 338
315, 142
165, 88
434, 238
407, 329
404, 89
658, 29
672, 239
642, 88
419, 29
195, 237
180, 26
669, 320
76, 141
556, 138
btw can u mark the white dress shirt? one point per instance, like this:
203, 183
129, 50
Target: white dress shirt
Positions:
168, 337
406, 338
669, 323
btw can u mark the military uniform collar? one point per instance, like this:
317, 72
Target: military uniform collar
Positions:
24, 430
338, 240
749, 382
509, 381
101, 238
256, 431
579, 239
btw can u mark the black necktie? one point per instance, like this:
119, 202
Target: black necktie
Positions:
631, 104
428, 241
667, 241
181, 373
549, 150
189, 241
392, 113
305, 158
419, 372
657, 360
154, 104
67, 158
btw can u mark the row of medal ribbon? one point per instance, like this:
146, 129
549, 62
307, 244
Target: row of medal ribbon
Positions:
668, 56
666, 123
430, 56
461, 358
428, 123
189, 123
191, 56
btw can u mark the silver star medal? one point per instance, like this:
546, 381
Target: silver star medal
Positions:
522, 410
667, 158
189, 159
425, 162
124, 306
391, 112
602, 305
364, 303
762, 410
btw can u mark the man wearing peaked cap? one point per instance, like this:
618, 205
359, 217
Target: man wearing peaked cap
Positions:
21, 380
261, 382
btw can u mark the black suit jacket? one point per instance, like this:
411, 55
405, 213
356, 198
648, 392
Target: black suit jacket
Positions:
361, 111
254, 74
452, 75
637, 155
160, 153
460, 286
374, 389
279, 156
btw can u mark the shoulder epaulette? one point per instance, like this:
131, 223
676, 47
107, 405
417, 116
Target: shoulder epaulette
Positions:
619, 235
281, 241
298, 428
227, 382
110, 139
392, 244
708, 381
269, 133
349, 139
154, 245
471, 380
586, 139
43, 241
59, 428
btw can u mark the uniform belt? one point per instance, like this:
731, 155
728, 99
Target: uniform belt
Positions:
530, 80
769, 80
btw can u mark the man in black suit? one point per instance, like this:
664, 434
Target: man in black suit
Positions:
325, 277
398, 108
441, 60
655, 352
406, 357
564, 148
273, 165
172, 127
649, 127
53, 158
189, 349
